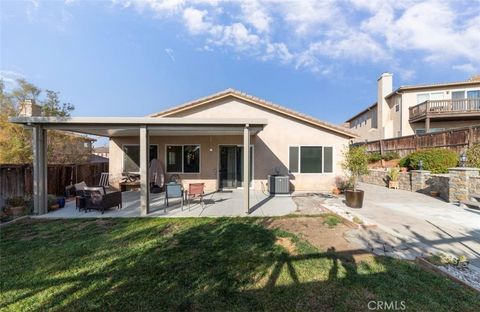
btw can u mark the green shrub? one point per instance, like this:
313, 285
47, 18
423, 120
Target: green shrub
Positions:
473, 156
51, 199
404, 162
435, 159
15, 201
332, 221
391, 155
374, 156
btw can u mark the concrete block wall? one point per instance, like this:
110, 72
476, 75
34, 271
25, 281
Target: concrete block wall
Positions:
455, 186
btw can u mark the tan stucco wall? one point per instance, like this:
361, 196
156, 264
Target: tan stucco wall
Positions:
446, 124
395, 122
208, 159
365, 126
271, 146
409, 99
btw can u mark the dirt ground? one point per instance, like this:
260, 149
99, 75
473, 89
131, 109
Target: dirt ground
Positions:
320, 235
384, 164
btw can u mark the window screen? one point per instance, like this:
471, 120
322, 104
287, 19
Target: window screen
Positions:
311, 159
422, 97
174, 158
191, 158
293, 155
131, 157
328, 159
457, 95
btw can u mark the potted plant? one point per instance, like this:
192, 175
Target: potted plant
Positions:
15, 206
356, 163
52, 202
61, 201
393, 178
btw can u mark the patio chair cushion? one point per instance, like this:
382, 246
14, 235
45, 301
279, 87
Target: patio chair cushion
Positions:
80, 186
95, 189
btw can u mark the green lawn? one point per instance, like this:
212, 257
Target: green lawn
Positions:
199, 264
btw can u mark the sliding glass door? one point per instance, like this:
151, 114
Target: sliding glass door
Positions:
231, 166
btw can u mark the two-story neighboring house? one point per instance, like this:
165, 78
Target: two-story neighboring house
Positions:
418, 109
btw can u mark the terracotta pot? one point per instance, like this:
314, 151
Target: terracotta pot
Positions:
393, 184
336, 191
354, 199
15, 211
403, 170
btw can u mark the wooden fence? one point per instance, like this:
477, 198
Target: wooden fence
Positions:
455, 139
17, 179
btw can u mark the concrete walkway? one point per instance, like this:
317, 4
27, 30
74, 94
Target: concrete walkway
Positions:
217, 204
425, 223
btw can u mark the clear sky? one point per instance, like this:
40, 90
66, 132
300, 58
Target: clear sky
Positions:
132, 58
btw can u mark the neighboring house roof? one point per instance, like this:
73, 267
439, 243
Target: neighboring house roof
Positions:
101, 149
362, 112
80, 136
472, 81
258, 102
96, 159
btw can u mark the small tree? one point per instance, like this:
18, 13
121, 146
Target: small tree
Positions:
16, 140
473, 156
356, 163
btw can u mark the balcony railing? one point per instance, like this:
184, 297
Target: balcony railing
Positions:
445, 108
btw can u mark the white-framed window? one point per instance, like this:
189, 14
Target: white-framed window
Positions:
435, 96
458, 95
131, 156
182, 158
422, 97
473, 94
310, 159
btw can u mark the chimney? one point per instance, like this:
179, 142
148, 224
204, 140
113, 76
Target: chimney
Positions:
385, 87
29, 109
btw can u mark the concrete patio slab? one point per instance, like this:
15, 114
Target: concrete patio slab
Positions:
217, 204
424, 222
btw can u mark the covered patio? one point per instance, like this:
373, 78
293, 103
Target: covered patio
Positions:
144, 203
216, 204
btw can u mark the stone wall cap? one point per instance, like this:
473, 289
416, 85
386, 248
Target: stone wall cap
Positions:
463, 169
421, 171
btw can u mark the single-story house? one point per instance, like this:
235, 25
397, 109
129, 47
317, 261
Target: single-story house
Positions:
203, 141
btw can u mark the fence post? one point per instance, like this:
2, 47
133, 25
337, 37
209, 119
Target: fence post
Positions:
381, 147
470, 137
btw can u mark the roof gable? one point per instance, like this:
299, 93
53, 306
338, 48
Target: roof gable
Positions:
256, 102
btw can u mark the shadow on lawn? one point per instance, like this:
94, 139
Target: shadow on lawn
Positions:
222, 264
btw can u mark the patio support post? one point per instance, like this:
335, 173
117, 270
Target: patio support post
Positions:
427, 125
39, 170
246, 169
144, 178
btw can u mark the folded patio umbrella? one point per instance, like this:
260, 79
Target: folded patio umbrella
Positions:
157, 176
